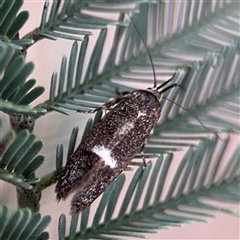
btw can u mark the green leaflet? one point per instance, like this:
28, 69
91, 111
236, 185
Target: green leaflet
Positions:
22, 224
15, 92
20, 159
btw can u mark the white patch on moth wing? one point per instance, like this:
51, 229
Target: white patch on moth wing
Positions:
126, 127
141, 114
105, 154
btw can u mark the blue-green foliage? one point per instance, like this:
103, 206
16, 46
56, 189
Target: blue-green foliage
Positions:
201, 47
22, 224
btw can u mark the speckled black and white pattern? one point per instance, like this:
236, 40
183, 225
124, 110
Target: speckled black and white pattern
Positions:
108, 148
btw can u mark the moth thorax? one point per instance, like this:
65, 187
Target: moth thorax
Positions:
155, 92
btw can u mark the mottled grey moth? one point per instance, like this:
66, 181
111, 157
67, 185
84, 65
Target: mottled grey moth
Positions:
110, 146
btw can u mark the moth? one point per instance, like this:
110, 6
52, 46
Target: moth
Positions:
110, 145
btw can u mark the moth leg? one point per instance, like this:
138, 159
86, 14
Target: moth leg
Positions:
106, 106
143, 157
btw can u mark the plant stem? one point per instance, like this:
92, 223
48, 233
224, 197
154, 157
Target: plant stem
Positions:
31, 198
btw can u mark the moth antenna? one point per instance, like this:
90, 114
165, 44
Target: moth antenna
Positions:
208, 129
171, 86
145, 45
166, 82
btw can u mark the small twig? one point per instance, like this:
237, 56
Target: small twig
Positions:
46, 181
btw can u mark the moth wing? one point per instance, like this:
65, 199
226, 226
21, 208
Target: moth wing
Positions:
101, 179
77, 172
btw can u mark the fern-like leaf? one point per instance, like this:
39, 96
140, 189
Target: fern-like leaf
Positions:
22, 224
11, 22
74, 20
20, 160
206, 89
92, 98
208, 71
15, 92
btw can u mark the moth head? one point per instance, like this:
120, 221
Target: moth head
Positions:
155, 92
158, 90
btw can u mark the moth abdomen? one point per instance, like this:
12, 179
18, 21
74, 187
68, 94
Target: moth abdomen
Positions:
102, 178
73, 173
